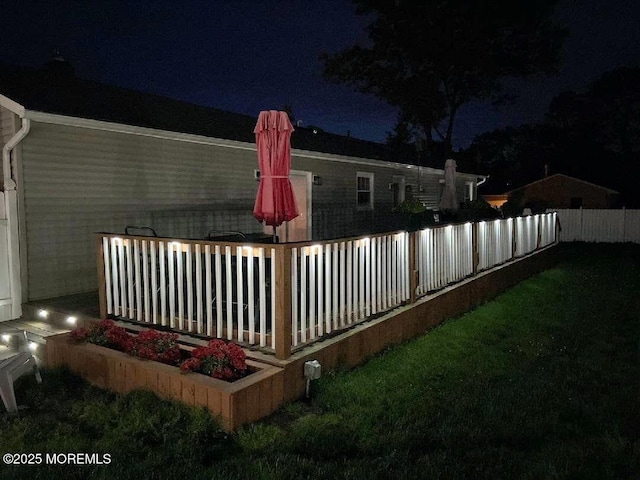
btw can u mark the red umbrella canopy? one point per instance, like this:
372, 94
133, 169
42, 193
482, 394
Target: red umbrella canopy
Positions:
275, 201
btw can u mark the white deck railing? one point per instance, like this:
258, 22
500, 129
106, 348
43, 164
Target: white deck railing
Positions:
444, 255
495, 242
285, 296
206, 288
526, 232
337, 284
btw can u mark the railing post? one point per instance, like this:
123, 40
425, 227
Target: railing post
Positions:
475, 254
413, 272
282, 320
102, 286
514, 243
539, 237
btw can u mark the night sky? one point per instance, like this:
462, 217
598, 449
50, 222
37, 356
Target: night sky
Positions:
249, 55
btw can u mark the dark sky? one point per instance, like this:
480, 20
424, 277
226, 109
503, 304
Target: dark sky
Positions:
250, 55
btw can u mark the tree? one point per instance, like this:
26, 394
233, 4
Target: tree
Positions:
430, 57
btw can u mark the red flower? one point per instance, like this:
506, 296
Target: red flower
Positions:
190, 365
79, 334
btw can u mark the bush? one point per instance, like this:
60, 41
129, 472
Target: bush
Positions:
476, 210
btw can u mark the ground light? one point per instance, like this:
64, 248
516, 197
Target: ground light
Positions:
312, 371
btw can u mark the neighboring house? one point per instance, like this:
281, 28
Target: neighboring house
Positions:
87, 157
563, 191
559, 191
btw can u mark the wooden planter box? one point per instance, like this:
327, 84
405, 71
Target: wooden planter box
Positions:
243, 401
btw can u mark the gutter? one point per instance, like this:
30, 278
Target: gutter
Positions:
484, 179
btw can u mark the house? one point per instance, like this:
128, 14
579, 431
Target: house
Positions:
81, 157
558, 191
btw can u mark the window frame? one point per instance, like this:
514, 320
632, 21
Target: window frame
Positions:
370, 176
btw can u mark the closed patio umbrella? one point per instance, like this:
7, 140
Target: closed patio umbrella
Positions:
449, 200
275, 201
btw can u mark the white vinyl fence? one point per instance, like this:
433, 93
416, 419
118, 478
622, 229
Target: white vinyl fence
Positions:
599, 225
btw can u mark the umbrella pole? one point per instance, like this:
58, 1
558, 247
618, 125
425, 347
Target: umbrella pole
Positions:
274, 235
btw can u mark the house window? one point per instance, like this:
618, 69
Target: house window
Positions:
364, 190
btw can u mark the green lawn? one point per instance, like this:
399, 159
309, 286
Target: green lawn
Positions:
542, 383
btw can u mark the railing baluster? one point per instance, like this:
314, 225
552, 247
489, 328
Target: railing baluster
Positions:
343, 279
317, 296
295, 288
129, 274
199, 299
218, 292
263, 298
172, 285
180, 283
106, 254
189, 274
138, 280
349, 282
250, 300
229, 291
327, 286
145, 278
273, 299
208, 294
163, 258
239, 293
303, 293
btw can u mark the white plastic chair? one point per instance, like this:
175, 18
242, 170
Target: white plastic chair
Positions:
10, 370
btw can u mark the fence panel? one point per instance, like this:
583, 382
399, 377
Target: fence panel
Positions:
495, 242
443, 255
337, 284
599, 225
208, 289
526, 232
548, 231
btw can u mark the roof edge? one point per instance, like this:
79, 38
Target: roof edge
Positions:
610, 190
81, 122
15, 107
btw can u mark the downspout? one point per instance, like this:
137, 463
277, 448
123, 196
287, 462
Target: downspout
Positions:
11, 210
480, 183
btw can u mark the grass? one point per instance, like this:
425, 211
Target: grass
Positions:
541, 383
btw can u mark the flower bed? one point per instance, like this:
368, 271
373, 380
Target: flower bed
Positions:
217, 359
246, 399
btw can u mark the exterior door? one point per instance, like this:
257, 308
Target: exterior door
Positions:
298, 229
